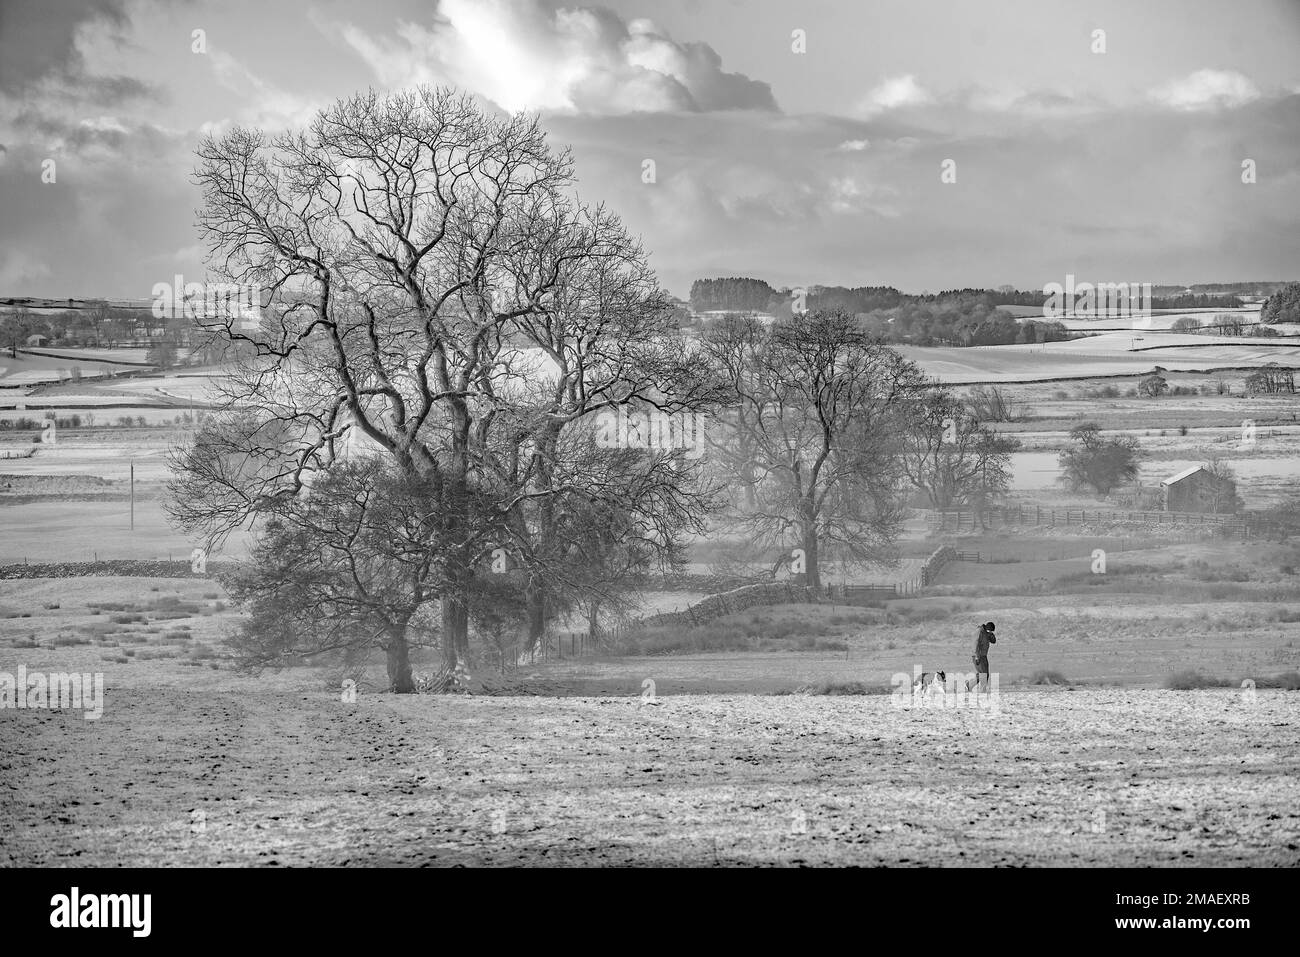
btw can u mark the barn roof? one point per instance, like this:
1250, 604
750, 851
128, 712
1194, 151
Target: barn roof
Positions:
1183, 474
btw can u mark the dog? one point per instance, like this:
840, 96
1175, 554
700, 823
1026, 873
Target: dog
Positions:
933, 682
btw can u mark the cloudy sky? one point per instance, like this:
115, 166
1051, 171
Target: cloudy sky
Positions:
820, 166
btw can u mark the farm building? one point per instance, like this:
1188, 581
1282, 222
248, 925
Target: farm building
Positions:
1197, 489
38, 340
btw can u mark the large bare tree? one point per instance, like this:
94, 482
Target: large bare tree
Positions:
815, 404
415, 250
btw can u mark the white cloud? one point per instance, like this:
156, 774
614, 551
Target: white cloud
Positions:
853, 146
523, 55
104, 124
895, 92
270, 106
1036, 104
1206, 89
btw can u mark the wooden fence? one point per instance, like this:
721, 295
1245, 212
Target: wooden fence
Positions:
554, 646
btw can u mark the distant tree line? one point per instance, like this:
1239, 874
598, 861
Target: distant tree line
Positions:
1282, 306
733, 293
1224, 288
958, 323
744, 294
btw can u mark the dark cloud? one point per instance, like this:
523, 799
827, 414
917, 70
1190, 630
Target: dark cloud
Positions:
37, 37
38, 50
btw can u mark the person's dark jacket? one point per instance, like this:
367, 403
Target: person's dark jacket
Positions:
982, 642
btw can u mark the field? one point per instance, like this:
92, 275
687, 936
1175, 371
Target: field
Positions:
284, 773
1105, 354
772, 737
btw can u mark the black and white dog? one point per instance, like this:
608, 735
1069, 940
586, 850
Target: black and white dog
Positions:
931, 682
936, 683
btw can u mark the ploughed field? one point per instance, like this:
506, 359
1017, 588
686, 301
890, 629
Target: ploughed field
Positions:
209, 768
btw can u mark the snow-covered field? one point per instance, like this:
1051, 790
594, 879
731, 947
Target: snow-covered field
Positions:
284, 772
105, 458
1108, 354
64, 401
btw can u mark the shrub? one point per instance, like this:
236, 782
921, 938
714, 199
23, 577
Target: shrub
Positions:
1103, 464
839, 688
1287, 681
1043, 677
1194, 680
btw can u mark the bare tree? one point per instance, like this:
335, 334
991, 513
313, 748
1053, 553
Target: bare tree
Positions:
1228, 324
605, 343
411, 245
949, 457
15, 327
1219, 493
99, 315
819, 403
991, 404
348, 567
1270, 379
1098, 462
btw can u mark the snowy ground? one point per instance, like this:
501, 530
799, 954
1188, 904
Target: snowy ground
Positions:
285, 773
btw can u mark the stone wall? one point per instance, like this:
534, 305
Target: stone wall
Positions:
737, 599
934, 564
141, 568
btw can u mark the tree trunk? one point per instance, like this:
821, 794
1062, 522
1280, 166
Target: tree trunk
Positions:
535, 598
455, 632
399, 662
812, 570
457, 572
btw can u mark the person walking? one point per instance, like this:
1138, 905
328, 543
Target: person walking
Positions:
983, 639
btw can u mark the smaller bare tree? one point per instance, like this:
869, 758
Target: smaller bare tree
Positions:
991, 404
